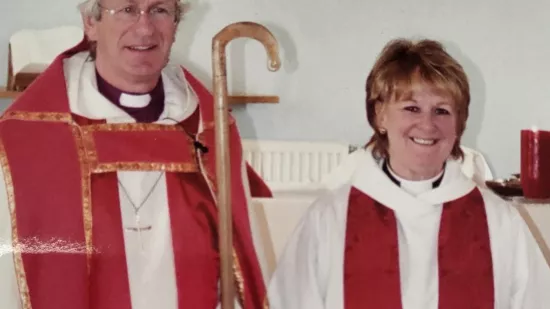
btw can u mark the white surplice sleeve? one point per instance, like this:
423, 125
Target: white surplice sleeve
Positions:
9, 291
531, 282
302, 275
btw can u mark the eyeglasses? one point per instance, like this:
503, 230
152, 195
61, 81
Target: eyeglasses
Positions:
132, 13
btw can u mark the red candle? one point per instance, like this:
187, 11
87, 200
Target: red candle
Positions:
535, 164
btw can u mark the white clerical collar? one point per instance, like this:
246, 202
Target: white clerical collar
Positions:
416, 187
134, 100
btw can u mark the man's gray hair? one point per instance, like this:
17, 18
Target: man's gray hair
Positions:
90, 8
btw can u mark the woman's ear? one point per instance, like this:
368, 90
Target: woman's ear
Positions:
380, 116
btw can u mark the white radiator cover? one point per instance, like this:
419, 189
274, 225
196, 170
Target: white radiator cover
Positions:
292, 165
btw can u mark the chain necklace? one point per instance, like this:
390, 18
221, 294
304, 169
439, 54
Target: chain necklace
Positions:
138, 228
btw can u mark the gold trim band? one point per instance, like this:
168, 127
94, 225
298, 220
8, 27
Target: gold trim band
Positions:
86, 193
126, 127
239, 279
17, 258
144, 166
37, 116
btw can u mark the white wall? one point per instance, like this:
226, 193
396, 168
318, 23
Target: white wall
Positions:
328, 48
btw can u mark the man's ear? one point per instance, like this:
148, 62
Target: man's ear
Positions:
90, 27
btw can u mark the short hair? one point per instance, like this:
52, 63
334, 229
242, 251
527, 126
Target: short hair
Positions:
401, 65
91, 8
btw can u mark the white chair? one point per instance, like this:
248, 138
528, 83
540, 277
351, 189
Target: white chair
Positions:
41, 46
31, 51
277, 219
475, 166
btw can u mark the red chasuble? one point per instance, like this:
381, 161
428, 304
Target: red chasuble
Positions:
60, 171
371, 261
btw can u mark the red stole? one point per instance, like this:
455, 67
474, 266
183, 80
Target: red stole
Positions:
371, 261
63, 197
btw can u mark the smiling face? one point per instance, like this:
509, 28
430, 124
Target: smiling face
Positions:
133, 49
421, 131
417, 101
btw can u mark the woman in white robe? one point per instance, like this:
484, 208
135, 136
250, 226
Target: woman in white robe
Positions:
408, 229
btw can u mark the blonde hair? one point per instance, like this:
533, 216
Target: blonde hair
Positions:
401, 65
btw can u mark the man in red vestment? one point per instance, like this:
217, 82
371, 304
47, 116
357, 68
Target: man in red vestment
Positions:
109, 181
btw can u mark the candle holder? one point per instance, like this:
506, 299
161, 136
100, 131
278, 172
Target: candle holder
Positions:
535, 164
